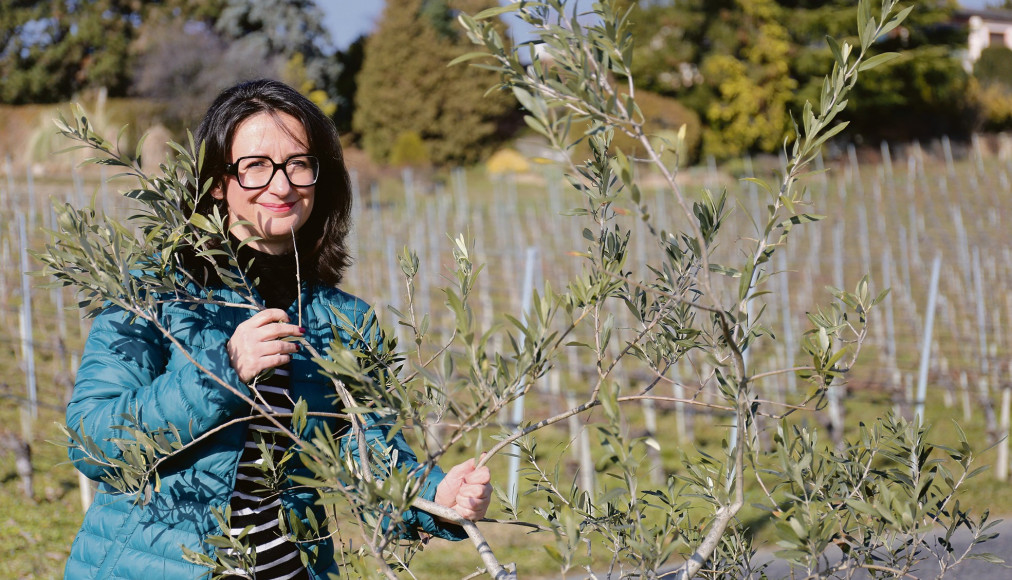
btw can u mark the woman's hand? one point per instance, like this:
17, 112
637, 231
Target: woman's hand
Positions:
256, 344
466, 490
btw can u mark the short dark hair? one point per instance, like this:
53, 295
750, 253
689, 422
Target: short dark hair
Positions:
323, 253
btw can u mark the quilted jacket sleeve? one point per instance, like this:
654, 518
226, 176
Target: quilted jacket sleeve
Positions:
124, 370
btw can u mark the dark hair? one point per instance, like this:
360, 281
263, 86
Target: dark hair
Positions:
323, 254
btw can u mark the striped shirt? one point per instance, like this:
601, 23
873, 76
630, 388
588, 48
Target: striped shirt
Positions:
277, 558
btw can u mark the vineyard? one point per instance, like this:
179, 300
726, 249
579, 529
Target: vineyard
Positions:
931, 222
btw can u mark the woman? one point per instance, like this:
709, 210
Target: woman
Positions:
277, 171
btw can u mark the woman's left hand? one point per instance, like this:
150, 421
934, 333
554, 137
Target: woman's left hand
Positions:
466, 490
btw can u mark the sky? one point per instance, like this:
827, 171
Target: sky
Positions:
349, 19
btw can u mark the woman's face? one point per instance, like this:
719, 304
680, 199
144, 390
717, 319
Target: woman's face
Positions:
277, 208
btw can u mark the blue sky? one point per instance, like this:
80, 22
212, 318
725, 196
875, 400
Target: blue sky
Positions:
348, 19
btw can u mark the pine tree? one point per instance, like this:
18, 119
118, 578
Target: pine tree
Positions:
405, 85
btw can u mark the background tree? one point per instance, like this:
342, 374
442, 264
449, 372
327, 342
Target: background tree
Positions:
753, 87
409, 88
993, 76
50, 50
925, 93
271, 29
345, 87
189, 52
723, 59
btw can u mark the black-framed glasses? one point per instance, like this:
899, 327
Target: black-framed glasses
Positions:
256, 171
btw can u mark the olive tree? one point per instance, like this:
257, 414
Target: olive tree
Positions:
877, 498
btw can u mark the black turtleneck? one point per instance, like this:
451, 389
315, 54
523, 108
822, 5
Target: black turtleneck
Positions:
275, 275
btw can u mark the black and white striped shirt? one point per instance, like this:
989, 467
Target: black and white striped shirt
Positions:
276, 556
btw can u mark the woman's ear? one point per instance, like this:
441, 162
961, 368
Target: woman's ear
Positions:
217, 193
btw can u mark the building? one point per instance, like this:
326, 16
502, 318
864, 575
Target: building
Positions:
985, 28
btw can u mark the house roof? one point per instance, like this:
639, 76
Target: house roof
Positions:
992, 14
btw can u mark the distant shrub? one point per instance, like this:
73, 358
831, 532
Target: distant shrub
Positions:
994, 66
409, 149
995, 103
507, 161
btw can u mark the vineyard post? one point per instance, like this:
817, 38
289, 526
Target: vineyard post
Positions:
922, 377
787, 322
532, 268
887, 161
394, 290
978, 281
30, 188
888, 314
712, 181
354, 235
27, 337
1001, 468
854, 171
458, 181
4, 297
950, 164
8, 200
375, 261
578, 434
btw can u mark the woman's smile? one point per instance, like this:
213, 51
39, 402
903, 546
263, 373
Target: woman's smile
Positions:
280, 208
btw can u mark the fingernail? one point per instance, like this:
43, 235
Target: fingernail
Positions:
302, 330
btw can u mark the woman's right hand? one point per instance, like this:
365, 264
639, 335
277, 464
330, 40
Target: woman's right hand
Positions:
256, 344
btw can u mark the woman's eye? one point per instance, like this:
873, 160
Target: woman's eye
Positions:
254, 164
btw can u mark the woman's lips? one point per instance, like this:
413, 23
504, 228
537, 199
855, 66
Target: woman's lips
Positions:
279, 207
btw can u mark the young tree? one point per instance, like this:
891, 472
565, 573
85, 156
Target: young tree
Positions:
877, 499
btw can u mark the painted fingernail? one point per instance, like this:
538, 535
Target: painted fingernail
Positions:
302, 330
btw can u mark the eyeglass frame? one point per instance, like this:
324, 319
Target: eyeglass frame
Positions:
233, 170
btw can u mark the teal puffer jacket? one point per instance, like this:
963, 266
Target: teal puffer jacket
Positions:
130, 367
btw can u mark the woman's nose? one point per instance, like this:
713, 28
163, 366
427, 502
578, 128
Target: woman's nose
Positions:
279, 184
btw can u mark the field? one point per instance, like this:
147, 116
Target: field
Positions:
890, 213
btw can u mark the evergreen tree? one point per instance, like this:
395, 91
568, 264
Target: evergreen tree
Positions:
345, 87
405, 85
754, 88
52, 49
725, 61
